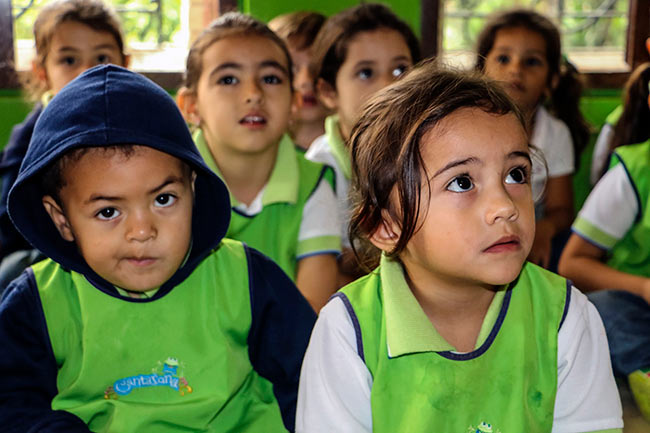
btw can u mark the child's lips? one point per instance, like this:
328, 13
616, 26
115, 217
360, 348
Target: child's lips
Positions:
505, 244
253, 121
517, 86
309, 101
141, 262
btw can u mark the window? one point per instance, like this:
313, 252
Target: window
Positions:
156, 32
593, 31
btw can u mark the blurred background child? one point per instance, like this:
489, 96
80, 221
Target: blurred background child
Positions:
357, 52
627, 124
608, 253
238, 93
70, 37
521, 49
454, 311
298, 30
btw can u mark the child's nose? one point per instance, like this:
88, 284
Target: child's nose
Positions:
141, 227
254, 94
500, 207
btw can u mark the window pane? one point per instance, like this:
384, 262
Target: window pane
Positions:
593, 31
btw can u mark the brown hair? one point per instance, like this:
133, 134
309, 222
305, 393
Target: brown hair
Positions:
634, 124
92, 13
330, 47
565, 96
227, 25
386, 152
298, 29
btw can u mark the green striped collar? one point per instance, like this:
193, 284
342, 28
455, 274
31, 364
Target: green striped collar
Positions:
282, 186
408, 329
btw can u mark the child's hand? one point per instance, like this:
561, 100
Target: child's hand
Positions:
540, 253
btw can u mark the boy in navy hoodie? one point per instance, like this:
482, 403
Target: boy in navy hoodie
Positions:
145, 318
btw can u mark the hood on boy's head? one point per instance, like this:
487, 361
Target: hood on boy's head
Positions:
104, 106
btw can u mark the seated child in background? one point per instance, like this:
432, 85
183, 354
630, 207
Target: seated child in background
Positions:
454, 329
144, 319
603, 146
521, 49
357, 52
630, 123
238, 92
298, 30
70, 37
608, 253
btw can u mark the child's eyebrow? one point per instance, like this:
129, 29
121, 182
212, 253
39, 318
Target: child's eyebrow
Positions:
169, 180
404, 58
273, 64
452, 164
227, 65
99, 197
520, 154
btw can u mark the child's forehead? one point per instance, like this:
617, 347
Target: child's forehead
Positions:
107, 156
230, 44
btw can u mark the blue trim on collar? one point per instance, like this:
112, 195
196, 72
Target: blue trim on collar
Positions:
493, 334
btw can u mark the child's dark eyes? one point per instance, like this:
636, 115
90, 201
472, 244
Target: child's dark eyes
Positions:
533, 61
67, 60
517, 175
108, 213
461, 183
227, 80
399, 71
365, 73
503, 59
165, 200
103, 58
272, 79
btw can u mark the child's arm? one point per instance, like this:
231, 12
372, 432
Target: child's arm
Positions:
587, 399
317, 279
319, 243
599, 228
582, 262
29, 370
335, 384
282, 321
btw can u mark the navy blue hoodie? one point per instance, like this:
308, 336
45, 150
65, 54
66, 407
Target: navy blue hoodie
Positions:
104, 106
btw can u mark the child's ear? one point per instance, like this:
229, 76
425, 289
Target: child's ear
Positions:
38, 70
387, 234
187, 102
58, 217
327, 94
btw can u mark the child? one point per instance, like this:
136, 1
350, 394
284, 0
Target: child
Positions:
521, 48
632, 120
356, 53
70, 36
238, 92
607, 254
450, 331
298, 30
145, 319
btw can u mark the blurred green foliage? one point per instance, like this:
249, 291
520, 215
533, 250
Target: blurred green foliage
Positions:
138, 25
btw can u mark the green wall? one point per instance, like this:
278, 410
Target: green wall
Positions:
13, 109
408, 10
